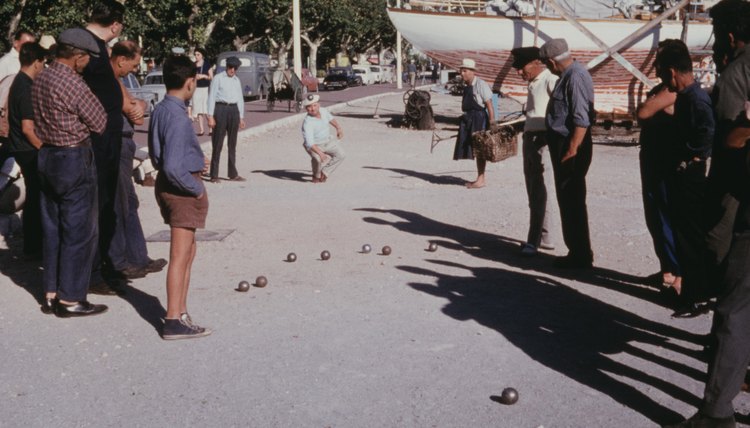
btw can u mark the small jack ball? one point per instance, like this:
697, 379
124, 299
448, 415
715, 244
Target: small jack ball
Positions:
261, 281
325, 255
432, 247
386, 251
366, 248
243, 286
509, 396
291, 257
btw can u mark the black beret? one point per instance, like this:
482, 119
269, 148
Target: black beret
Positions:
523, 56
233, 62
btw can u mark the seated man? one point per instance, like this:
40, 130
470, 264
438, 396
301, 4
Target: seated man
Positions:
323, 149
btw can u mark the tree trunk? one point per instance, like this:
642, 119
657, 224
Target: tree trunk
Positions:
13, 25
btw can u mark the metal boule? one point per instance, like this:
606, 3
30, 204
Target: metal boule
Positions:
386, 251
243, 286
325, 255
509, 396
261, 281
291, 257
366, 249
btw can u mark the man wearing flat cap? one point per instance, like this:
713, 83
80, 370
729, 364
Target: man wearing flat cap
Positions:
478, 115
324, 150
570, 114
226, 114
66, 113
541, 84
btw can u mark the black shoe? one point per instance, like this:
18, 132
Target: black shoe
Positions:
155, 265
691, 310
80, 309
701, 421
48, 306
101, 288
132, 272
573, 262
182, 328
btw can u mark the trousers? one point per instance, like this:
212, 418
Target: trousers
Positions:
227, 119
332, 149
534, 173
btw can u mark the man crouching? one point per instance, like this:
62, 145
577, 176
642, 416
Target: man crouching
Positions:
325, 152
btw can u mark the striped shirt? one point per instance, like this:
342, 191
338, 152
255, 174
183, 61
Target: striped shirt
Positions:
66, 112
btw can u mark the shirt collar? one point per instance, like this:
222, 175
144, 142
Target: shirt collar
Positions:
541, 75
174, 100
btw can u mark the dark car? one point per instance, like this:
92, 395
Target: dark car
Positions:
341, 78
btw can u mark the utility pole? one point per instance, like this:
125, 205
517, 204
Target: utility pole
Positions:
399, 68
297, 40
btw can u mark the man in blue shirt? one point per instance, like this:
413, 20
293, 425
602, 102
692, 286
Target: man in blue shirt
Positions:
226, 114
325, 152
570, 114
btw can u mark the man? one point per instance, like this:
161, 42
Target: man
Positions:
180, 193
226, 113
541, 84
66, 113
128, 254
691, 146
728, 180
478, 115
570, 114
324, 151
105, 24
411, 71
9, 63
24, 144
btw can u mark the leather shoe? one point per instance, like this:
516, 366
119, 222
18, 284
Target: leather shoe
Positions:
237, 178
155, 265
132, 272
691, 310
48, 305
573, 262
103, 289
701, 421
80, 309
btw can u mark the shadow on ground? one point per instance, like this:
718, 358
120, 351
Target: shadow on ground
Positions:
285, 174
440, 178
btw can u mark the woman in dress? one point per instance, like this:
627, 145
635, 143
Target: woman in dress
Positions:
200, 98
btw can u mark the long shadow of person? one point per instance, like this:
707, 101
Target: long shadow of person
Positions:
147, 306
22, 271
497, 248
284, 174
430, 178
567, 331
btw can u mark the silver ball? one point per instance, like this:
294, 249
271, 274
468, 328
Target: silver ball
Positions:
366, 248
291, 257
325, 255
243, 286
261, 281
432, 247
509, 396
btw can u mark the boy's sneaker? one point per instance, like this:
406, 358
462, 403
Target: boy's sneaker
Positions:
182, 328
528, 250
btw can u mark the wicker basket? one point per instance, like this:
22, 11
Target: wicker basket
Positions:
495, 146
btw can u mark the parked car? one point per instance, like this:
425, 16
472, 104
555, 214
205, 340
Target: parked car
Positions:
341, 78
387, 73
364, 72
254, 72
310, 81
154, 83
377, 73
134, 87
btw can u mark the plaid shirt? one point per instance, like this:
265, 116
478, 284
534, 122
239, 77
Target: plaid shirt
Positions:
66, 112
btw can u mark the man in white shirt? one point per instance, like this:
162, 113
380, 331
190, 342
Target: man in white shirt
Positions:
541, 83
324, 150
9, 63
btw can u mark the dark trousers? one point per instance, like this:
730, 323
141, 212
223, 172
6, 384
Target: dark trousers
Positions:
31, 217
227, 119
687, 189
107, 148
128, 245
570, 183
731, 320
533, 148
69, 219
656, 211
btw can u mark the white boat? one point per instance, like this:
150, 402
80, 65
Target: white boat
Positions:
448, 37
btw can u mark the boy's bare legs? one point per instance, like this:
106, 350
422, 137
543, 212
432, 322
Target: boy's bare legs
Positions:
181, 254
183, 300
479, 182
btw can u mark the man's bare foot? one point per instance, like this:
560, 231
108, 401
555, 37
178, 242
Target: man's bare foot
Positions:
478, 184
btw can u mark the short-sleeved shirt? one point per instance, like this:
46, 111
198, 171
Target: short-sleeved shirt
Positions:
694, 122
317, 130
571, 104
20, 109
482, 91
173, 146
540, 90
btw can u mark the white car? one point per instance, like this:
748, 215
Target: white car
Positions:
363, 71
377, 73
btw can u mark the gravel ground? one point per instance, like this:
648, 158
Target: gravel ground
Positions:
414, 339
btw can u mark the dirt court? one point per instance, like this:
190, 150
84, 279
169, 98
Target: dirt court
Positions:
414, 339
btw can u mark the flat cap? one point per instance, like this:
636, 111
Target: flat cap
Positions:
81, 39
553, 48
233, 62
523, 56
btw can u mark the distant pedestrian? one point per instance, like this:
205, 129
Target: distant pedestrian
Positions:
226, 114
534, 148
180, 193
411, 72
570, 115
24, 144
325, 152
200, 98
66, 113
478, 115
9, 63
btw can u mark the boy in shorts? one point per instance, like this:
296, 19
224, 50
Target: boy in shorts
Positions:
182, 199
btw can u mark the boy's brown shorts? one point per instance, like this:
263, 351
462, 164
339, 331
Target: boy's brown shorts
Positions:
180, 210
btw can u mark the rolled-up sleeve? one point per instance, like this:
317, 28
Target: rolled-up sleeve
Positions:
580, 101
91, 112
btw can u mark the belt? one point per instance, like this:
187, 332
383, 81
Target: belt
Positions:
84, 143
222, 103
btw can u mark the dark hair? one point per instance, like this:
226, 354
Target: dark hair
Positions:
674, 54
731, 16
107, 12
127, 48
18, 34
177, 70
30, 53
203, 52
